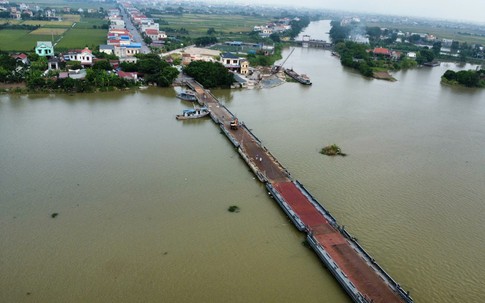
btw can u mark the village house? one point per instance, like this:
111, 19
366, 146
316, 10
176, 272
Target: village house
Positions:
130, 50
15, 14
381, 51
235, 64
116, 23
113, 12
44, 48
50, 13
133, 76
84, 56
22, 58
411, 55
155, 34
148, 23
107, 49
53, 63
28, 12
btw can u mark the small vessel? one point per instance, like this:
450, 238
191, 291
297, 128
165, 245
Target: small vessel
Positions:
193, 113
303, 79
187, 95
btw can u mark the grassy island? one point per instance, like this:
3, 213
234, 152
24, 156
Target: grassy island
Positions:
234, 209
465, 78
332, 150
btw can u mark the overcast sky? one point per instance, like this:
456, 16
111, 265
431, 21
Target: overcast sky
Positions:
470, 10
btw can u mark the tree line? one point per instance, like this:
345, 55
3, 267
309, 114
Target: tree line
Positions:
210, 74
468, 78
101, 76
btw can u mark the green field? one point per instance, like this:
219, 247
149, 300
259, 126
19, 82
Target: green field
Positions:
25, 40
446, 33
197, 25
20, 40
60, 4
88, 23
79, 38
81, 35
53, 24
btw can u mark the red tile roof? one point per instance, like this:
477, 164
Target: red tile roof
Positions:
381, 51
151, 31
127, 75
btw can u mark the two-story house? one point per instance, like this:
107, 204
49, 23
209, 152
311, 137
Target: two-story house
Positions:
44, 48
235, 63
84, 56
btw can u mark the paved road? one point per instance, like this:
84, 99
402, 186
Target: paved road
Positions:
137, 38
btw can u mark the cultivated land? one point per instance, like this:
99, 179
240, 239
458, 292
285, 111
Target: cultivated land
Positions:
53, 24
197, 25
73, 34
20, 40
60, 4
48, 31
80, 38
472, 36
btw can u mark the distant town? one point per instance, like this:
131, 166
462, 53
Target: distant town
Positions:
99, 45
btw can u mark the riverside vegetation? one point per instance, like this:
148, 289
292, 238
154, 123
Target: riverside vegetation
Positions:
360, 56
467, 78
332, 150
99, 77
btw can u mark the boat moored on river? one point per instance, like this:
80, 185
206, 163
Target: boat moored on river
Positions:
187, 96
303, 79
193, 113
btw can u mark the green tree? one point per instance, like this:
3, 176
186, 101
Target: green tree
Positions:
102, 64
415, 38
450, 75
275, 37
436, 48
338, 33
210, 74
468, 78
155, 70
425, 55
203, 41
39, 65
211, 31
455, 46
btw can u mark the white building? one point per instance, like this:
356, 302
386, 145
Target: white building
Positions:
84, 56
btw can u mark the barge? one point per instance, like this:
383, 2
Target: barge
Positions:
302, 78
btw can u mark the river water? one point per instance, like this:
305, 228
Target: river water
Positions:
142, 198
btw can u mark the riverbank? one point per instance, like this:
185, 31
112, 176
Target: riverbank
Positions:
383, 75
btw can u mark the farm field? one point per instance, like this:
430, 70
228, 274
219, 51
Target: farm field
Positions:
446, 33
74, 34
20, 40
197, 25
71, 17
88, 23
53, 24
49, 31
60, 4
80, 38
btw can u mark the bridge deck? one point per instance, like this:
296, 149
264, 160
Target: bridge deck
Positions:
371, 283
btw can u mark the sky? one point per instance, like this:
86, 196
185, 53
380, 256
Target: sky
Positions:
463, 10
